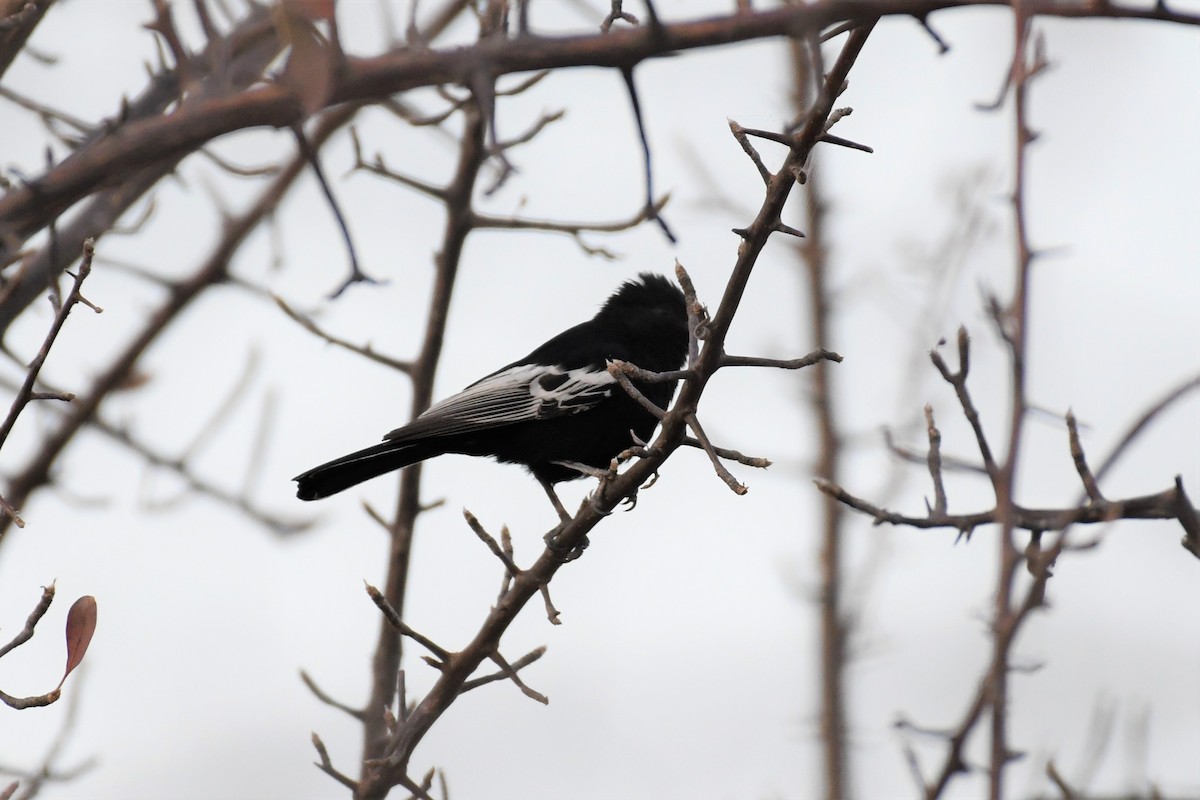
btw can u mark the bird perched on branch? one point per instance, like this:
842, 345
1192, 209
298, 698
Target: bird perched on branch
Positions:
552, 411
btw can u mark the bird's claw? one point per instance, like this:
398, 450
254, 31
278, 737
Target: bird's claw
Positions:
565, 553
593, 500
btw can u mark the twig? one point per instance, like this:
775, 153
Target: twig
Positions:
741, 135
35, 616
313, 159
510, 566
519, 664
510, 672
732, 455
46, 112
327, 700
935, 463
552, 613
1188, 518
379, 168
12, 513
326, 765
697, 314
164, 26
724, 474
25, 393
949, 463
394, 620
572, 228
363, 350
778, 363
420, 792
1081, 466
840, 141
618, 369
943, 47
268, 171
534, 129
617, 13
1151, 506
1052, 773
959, 381
1148, 416
647, 159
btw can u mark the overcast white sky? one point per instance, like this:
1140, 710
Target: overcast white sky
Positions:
686, 664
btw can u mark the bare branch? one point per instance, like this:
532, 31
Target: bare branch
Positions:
320, 694
741, 135
959, 381
35, 616
1085, 473
393, 768
394, 620
510, 672
732, 455
724, 474
202, 119
25, 393
935, 463
510, 566
326, 765
516, 666
794, 363
571, 228
363, 350
1151, 506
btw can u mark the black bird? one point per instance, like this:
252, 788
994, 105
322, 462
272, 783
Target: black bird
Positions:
554, 407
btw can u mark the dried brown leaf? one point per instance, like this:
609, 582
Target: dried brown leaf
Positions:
311, 63
81, 624
311, 9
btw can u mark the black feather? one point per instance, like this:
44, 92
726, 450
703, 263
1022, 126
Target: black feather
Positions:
556, 404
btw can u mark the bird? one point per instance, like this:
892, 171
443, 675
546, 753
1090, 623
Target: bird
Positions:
557, 411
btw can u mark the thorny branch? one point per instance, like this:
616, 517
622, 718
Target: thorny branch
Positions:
213, 271
143, 135
392, 768
366, 351
26, 391
35, 616
991, 695
200, 119
835, 619
228, 65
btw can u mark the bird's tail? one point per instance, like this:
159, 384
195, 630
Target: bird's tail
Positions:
342, 473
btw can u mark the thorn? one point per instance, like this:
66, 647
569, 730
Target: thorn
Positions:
788, 229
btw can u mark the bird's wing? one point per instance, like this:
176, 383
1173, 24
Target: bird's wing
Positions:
519, 393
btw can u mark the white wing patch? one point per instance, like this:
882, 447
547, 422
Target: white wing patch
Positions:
558, 391
517, 394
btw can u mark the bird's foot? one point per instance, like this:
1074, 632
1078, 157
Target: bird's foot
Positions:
562, 551
563, 516
593, 500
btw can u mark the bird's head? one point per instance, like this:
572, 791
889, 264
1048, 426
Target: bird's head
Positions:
651, 311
